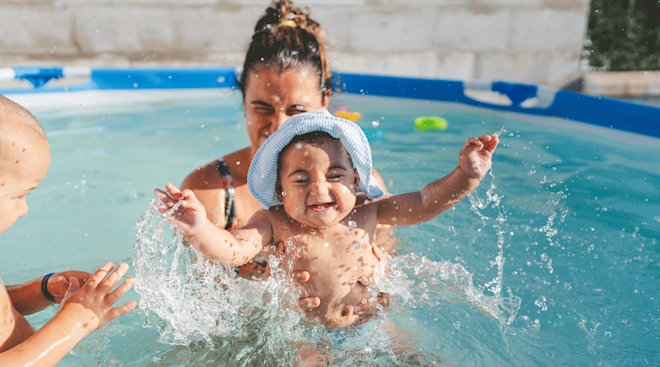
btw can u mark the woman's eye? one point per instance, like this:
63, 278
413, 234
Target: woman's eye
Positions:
296, 110
264, 110
334, 177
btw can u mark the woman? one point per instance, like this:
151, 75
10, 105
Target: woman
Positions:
285, 72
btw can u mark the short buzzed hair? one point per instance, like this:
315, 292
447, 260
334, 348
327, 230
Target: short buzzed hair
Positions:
13, 117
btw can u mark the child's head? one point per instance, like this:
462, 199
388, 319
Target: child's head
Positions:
346, 145
316, 179
24, 160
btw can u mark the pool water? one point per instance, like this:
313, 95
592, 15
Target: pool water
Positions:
553, 261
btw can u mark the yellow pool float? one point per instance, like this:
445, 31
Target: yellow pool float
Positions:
353, 116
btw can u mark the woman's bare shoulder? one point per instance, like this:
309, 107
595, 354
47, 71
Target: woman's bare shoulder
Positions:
203, 178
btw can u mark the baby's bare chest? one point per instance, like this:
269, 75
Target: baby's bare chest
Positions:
340, 251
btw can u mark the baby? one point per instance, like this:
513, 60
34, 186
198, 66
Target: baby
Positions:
24, 160
306, 176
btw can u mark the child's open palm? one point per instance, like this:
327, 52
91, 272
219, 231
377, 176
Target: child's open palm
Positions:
93, 302
190, 217
475, 156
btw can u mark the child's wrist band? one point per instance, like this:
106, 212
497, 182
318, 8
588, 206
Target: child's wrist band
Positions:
44, 287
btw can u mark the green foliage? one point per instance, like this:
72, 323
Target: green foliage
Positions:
624, 35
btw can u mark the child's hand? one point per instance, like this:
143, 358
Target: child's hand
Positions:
475, 156
92, 304
190, 217
59, 282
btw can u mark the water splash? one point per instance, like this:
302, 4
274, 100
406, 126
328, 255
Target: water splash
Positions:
193, 303
416, 281
188, 300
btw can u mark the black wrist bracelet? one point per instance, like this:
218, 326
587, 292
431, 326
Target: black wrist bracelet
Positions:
44, 287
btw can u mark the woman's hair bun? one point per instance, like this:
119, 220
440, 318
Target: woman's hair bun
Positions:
283, 13
285, 38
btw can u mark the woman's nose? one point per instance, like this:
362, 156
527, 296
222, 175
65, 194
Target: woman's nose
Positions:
278, 120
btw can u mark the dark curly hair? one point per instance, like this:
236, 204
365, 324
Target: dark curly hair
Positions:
287, 38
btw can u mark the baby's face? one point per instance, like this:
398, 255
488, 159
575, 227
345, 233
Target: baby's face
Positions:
318, 183
23, 165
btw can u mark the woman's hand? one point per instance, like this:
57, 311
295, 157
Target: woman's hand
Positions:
308, 303
91, 305
474, 158
190, 217
58, 283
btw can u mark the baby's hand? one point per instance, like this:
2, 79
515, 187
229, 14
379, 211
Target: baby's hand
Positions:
190, 217
475, 156
59, 282
91, 305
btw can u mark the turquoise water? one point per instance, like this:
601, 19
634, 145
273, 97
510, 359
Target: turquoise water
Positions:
566, 227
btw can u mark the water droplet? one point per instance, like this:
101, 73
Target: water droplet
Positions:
202, 126
326, 244
375, 123
352, 224
290, 243
216, 138
355, 268
457, 325
364, 301
96, 31
283, 193
298, 145
216, 223
356, 245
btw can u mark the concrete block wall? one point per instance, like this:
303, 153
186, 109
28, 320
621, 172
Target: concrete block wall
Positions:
534, 41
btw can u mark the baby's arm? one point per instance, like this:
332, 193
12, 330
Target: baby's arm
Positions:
82, 311
28, 298
216, 244
440, 195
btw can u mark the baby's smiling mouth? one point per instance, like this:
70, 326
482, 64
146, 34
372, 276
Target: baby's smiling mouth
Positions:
320, 208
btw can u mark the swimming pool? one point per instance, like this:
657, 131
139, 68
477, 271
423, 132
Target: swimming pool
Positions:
568, 226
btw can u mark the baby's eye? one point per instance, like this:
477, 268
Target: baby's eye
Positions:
301, 181
334, 177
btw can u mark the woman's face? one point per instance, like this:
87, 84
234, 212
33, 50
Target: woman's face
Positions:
271, 98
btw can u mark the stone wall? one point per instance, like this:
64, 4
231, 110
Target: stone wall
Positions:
535, 41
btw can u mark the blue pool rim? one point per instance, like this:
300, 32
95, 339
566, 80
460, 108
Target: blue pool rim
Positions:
568, 105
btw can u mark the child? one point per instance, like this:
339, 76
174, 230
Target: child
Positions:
24, 160
306, 176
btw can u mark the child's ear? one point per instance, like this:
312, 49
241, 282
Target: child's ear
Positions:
357, 180
278, 189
